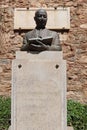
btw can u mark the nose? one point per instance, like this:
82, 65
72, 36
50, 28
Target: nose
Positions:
42, 17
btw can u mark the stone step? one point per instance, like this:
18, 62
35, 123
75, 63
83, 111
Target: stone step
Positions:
68, 128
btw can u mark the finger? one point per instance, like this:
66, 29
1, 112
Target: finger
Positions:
34, 45
41, 43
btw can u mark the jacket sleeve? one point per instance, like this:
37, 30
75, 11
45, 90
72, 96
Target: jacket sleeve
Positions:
25, 46
55, 46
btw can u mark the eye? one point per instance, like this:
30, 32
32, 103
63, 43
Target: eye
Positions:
39, 15
44, 16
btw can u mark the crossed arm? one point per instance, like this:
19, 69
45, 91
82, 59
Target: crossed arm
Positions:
55, 45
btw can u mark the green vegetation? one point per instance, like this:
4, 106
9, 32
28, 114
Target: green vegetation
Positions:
5, 112
77, 115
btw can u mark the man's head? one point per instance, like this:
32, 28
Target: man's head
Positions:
40, 18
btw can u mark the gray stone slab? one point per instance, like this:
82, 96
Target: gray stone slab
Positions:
68, 128
38, 93
54, 15
45, 55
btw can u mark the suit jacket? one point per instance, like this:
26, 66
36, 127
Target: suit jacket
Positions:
42, 33
55, 45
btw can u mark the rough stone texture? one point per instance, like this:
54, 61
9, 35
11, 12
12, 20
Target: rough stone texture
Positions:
74, 47
38, 95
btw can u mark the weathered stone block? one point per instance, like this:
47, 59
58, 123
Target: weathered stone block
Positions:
38, 92
55, 16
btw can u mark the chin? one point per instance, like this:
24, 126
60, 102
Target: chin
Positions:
42, 26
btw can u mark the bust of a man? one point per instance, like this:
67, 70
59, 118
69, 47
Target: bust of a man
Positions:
41, 31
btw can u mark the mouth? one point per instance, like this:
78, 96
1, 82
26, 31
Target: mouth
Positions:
42, 21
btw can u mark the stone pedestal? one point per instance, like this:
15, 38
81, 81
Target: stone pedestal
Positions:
39, 91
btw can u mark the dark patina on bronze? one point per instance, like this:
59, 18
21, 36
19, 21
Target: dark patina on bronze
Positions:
41, 32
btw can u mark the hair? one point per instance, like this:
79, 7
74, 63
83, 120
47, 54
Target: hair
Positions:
40, 10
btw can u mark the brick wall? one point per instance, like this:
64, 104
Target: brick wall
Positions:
74, 47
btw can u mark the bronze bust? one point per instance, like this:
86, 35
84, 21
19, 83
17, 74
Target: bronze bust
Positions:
40, 32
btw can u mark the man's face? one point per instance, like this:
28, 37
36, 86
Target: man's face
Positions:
40, 18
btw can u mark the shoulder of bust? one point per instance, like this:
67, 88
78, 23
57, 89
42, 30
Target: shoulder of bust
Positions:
53, 33
30, 33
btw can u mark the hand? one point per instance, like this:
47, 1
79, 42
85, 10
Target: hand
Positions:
40, 46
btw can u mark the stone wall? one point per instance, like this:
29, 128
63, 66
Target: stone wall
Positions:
74, 47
